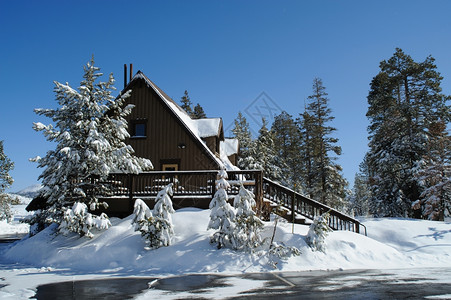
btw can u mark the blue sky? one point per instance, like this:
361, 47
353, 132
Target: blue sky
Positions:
225, 53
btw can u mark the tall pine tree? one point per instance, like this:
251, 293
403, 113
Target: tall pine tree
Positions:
435, 175
89, 133
265, 154
327, 184
195, 113
305, 124
404, 100
288, 148
247, 152
186, 103
198, 112
361, 194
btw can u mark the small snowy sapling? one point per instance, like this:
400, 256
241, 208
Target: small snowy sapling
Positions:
318, 232
140, 212
222, 215
77, 219
156, 226
248, 226
279, 251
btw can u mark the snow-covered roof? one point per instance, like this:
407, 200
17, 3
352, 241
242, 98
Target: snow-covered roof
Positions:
208, 127
229, 146
199, 128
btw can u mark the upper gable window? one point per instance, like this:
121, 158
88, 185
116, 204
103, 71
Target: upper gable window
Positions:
138, 129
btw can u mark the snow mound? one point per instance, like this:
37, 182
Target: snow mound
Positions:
29, 192
392, 243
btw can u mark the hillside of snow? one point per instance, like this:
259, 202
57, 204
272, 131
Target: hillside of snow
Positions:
29, 192
391, 243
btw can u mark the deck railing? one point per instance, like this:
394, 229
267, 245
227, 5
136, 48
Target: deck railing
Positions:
185, 183
201, 184
306, 207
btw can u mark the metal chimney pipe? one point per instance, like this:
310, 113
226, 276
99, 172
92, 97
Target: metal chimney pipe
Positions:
131, 72
125, 75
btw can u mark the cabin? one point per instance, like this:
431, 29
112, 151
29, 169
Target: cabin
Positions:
163, 132
184, 151
188, 153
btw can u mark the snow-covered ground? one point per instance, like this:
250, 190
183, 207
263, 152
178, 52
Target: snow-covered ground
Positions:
16, 228
120, 252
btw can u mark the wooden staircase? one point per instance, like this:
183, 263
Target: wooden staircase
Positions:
301, 210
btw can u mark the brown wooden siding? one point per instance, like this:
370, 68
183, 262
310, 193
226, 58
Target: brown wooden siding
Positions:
166, 138
212, 143
233, 159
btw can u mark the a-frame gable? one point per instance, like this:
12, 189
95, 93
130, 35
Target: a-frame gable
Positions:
176, 113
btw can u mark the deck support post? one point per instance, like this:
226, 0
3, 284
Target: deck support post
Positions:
293, 212
259, 192
130, 193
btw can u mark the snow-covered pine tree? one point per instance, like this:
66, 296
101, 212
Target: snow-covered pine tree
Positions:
77, 219
247, 152
163, 206
361, 193
157, 227
140, 212
435, 175
287, 143
6, 165
266, 156
318, 232
307, 174
247, 225
327, 183
404, 100
222, 214
89, 133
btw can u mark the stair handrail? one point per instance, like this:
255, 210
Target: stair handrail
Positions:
322, 207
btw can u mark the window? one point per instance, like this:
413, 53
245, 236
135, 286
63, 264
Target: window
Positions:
170, 167
139, 129
170, 164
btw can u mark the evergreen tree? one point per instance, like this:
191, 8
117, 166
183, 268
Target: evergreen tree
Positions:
361, 194
222, 215
187, 104
248, 225
318, 231
156, 226
6, 165
89, 133
141, 212
266, 158
288, 148
195, 113
404, 99
246, 153
77, 219
327, 185
198, 112
435, 175
305, 124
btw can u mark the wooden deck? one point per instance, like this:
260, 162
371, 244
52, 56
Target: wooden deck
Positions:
196, 188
